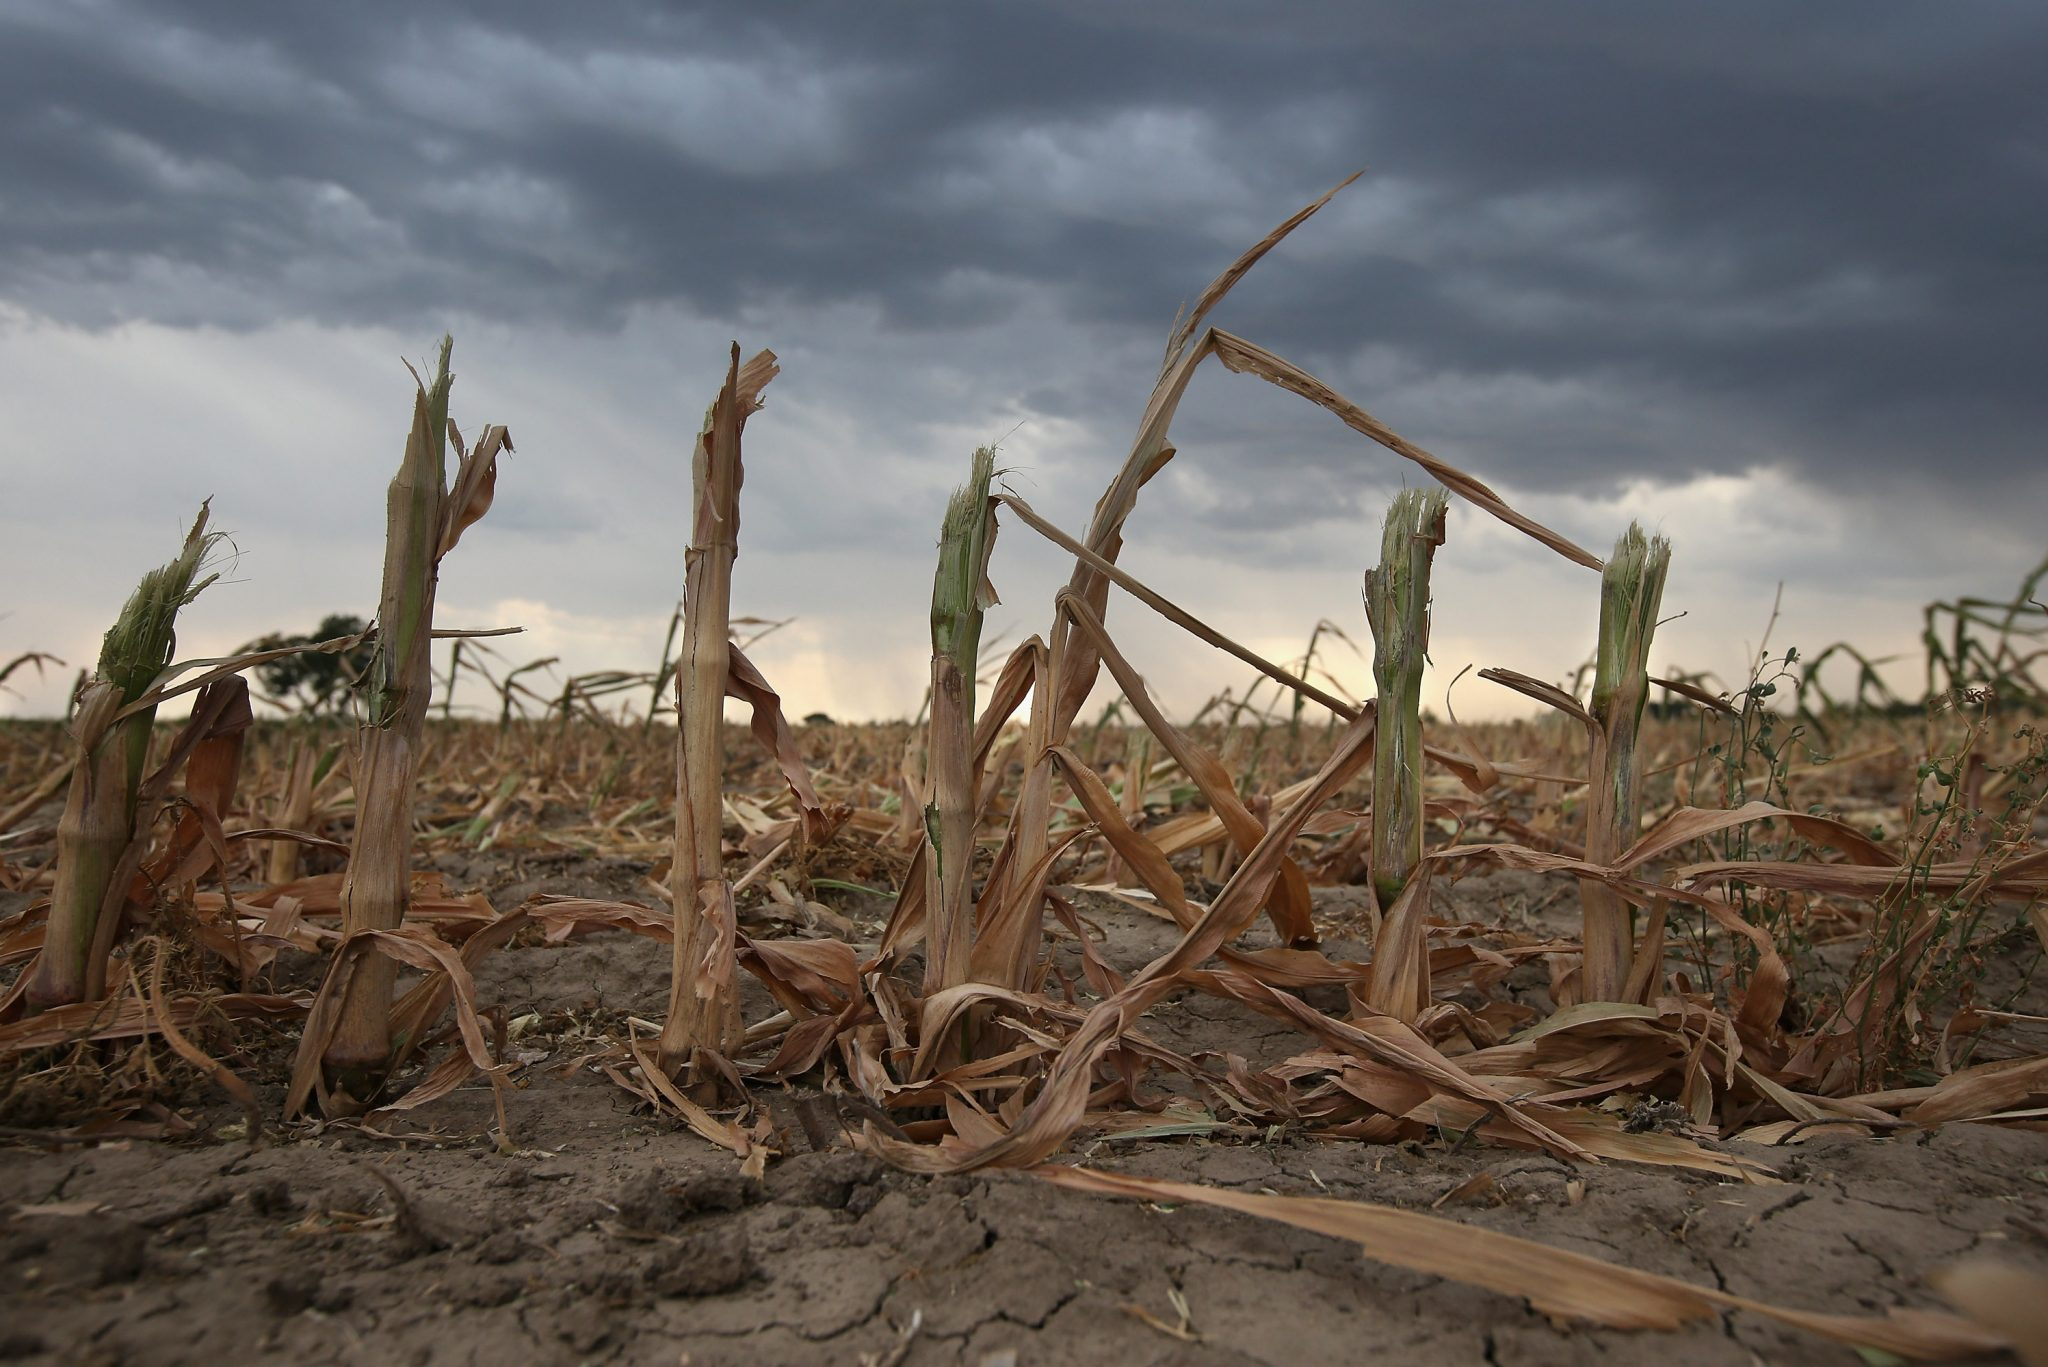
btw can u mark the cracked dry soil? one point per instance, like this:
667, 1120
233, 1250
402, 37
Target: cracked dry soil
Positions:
613, 1237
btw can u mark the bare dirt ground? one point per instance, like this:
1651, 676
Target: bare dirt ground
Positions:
601, 1235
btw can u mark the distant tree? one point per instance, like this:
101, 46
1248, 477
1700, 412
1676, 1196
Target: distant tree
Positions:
313, 682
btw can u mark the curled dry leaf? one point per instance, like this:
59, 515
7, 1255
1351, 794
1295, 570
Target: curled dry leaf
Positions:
1985, 1090
1557, 1282
771, 729
1687, 824
1250, 359
475, 484
126, 1017
1288, 901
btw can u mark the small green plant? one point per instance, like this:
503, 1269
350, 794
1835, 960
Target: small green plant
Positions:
1747, 754
1971, 936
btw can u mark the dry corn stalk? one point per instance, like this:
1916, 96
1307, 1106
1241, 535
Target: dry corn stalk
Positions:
302, 775
703, 1002
1631, 590
112, 750
1076, 660
1131, 802
960, 594
1397, 609
425, 517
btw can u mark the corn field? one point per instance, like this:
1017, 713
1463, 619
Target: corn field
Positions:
1029, 1027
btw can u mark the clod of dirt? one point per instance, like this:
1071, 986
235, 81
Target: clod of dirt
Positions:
93, 1250
288, 1293
934, 1234
513, 1176
615, 1286
705, 1263
272, 1198
653, 1204
424, 1226
717, 1191
564, 1219
121, 1253
645, 1205
20, 1343
578, 1320
484, 1289
502, 1247
833, 1181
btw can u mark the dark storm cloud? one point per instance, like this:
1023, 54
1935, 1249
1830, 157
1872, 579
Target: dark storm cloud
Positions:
1814, 230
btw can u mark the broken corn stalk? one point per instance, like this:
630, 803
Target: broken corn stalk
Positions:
424, 517
99, 811
1631, 591
703, 1004
960, 595
1397, 609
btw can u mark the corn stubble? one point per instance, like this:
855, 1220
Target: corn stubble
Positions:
425, 517
984, 1056
961, 593
111, 734
703, 1005
1397, 608
1631, 591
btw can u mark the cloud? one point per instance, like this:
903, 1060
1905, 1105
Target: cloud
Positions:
752, 116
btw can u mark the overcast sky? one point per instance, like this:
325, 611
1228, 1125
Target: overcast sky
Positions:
1772, 278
